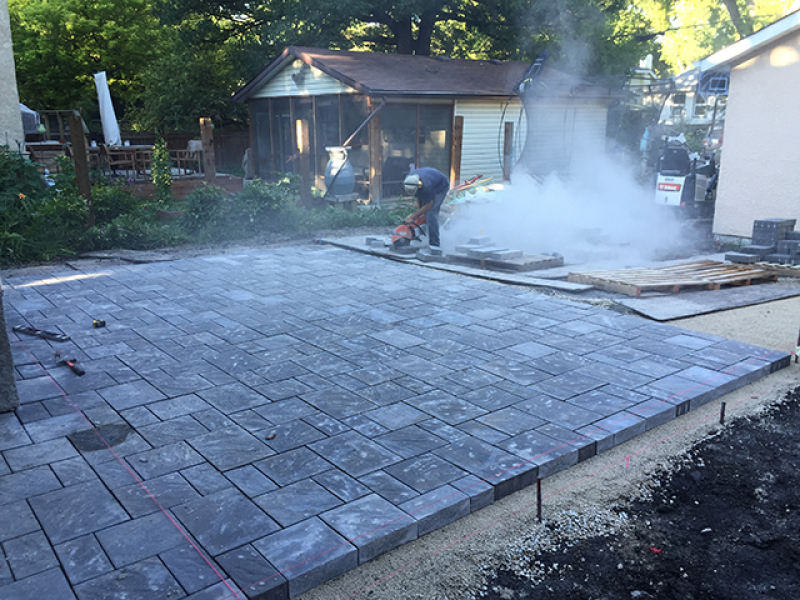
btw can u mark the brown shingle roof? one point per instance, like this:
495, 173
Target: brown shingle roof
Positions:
377, 74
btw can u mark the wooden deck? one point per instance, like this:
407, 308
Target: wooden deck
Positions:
704, 274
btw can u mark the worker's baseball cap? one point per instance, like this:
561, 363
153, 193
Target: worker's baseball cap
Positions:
412, 184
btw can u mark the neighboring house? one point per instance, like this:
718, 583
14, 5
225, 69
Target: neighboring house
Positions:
11, 131
686, 105
759, 174
444, 113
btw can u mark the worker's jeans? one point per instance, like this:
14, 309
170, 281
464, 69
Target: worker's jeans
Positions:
432, 219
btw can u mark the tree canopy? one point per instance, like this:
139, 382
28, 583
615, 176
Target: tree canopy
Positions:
171, 61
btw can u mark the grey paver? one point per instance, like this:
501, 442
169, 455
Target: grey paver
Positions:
232, 397
426, 472
131, 394
50, 584
308, 554
193, 570
437, 508
297, 502
162, 433
140, 538
251, 481
341, 485
177, 407
144, 580
373, 525
18, 486
77, 510
36, 455
83, 559
354, 454
29, 554
12, 433
254, 575
164, 459
294, 465
224, 520
161, 492
17, 520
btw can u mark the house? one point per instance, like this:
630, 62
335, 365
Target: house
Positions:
759, 177
10, 117
463, 117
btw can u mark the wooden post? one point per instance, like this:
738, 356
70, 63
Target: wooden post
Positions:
455, 151
207, 137
81, 162
375, 169
508, 150
304, 168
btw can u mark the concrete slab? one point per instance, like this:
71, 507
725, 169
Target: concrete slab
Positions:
689, 304
296, 411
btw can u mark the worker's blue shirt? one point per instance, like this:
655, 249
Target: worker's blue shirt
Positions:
434, 183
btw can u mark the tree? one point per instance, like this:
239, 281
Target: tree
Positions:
60, 44
693, 30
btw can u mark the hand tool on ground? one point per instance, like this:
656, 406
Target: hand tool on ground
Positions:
69, 362
41, 333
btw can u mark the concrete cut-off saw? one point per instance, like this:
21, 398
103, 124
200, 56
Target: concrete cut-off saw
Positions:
408, 232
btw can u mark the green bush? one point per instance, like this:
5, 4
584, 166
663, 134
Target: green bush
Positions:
162, 173
111, 199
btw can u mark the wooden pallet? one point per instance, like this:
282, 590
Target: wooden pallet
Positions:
704, 274
780, 270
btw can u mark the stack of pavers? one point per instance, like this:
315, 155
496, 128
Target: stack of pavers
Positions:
774, 240
483, 252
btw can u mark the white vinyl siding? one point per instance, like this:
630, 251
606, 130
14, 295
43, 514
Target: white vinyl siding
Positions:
482, 138
300, 79
563, 132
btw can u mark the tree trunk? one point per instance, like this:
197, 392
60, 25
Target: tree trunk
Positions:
426, 24
9, 399
403, 36
743, 28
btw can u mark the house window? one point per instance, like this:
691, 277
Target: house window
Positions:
704, 106
678, 106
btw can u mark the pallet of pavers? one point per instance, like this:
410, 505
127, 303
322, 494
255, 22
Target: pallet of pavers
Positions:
703, 274
480, 252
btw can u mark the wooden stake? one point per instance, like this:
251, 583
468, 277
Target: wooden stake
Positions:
207, 136
508, 150
455, 151
304, 167
81, 161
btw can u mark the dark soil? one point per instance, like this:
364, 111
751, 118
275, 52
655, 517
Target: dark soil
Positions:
724, 524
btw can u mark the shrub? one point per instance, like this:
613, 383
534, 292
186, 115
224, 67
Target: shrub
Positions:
162, 173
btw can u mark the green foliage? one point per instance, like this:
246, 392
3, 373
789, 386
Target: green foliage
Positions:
110, 200
212, 214
162, 173
20, 184
693, 30
135, 232
60, 44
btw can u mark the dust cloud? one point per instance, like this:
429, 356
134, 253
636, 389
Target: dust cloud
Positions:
601, 214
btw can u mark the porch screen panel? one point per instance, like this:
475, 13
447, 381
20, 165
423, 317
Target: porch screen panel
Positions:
263, 145
304, 110
399, 146
282, 136
354, 113
434, 137
327, 133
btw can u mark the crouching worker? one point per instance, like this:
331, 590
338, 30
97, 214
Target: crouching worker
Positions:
430, 187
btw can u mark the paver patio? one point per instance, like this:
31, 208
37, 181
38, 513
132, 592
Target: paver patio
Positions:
251, 425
